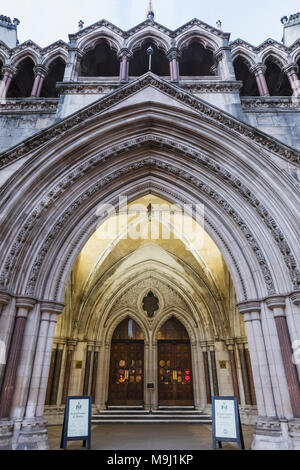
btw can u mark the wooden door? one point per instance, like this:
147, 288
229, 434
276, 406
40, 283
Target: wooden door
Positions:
175, 384
126, 373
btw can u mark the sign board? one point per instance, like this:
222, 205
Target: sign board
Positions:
226, 421
77, 421
150, 385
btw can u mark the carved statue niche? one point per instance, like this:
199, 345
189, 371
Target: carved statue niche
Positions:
150, 304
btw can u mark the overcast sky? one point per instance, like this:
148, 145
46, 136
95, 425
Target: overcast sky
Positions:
47, 21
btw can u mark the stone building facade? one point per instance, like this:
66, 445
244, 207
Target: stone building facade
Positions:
166, 118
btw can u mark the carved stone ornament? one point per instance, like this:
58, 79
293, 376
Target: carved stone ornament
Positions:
150, 304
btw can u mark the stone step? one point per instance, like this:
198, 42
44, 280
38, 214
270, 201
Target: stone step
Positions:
149, 421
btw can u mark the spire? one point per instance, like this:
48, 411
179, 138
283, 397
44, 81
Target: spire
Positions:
150, 14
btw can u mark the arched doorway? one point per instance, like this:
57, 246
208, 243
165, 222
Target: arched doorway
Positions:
175, 384
126, 382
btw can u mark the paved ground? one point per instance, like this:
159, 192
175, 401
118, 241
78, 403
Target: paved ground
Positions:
149, 437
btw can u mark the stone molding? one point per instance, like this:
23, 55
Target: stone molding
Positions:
207, 112
5, 298
212, 86
256, 103
151, 162
295, 297
28, 105
276, 301
249, 307
51, 307
153, 140
26, 302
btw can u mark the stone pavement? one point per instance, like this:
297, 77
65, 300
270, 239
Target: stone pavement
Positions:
149, 437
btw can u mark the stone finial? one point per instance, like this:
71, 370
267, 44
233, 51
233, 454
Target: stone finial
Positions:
219, 24
284, 20
80, 24
16, 22
150, 13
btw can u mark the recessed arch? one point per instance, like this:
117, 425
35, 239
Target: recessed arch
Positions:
22, 83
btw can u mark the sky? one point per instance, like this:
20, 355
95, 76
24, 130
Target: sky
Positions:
47, 21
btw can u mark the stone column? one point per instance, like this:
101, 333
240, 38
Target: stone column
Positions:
250, 375
246, 382
235, 382
70, 351
33, 432
292, 73
51, 373
49, 358
206, 371
40, 72
5, 326
257, 352
277, 304
87, 370
213, 368
95, 373
259, 71
173, 56
57, 373
295, 312
8, 72
124, 57
23, 305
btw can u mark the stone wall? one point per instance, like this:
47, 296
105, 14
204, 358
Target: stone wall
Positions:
16, 127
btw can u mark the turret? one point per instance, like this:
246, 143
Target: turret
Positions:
291, 29
8, 31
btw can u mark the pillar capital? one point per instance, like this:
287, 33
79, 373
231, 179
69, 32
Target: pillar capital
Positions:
4, 298
249, 306
211, 345
24, 302
275, 301
51, 307
41, 70
9, 70
230, 344
124, 52
71, 344
203, 345
221, 53
258, 69
173, 54
291, 69
295, 297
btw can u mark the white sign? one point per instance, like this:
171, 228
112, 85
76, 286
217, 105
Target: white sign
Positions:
78, 419
225, 420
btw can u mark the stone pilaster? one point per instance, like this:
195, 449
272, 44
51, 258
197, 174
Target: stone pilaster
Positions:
87, 371
95, 373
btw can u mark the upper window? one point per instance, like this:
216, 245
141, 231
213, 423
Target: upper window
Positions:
196, 61
101, 61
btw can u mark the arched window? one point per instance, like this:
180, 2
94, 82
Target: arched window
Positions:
101, 61
21, 85
140, 61
55, 74
277, 80
128, 329
196, 61
243, 73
